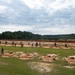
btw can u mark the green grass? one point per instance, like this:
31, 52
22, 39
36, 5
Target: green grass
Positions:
15, 66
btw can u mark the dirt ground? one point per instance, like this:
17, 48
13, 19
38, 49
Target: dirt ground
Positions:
41, 67
63, 45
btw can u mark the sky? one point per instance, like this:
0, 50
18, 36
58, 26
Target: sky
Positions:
46, 17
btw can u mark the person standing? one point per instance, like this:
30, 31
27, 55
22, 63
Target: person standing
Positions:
2, 51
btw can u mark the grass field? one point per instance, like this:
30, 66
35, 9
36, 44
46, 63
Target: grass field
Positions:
15, 66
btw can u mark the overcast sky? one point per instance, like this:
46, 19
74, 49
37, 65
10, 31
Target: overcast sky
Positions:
38, 16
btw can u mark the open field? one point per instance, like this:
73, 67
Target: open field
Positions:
15, 66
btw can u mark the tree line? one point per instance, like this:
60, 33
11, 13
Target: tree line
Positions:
24, 35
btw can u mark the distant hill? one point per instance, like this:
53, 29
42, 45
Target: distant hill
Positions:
19, 35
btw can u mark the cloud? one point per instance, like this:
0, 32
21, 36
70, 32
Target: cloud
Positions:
7, 1
62, 4
50, 5
58, 29
38, 16
33, 4
2, 8
14, 28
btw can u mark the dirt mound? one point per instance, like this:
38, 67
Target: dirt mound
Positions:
70, 59
49, 58
20, 55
